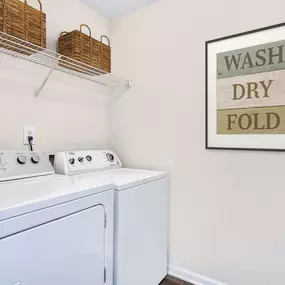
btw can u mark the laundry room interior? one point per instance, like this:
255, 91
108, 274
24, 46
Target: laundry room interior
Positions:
205, 205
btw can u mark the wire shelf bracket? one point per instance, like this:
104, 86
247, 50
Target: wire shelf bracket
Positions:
22, 49
39, 90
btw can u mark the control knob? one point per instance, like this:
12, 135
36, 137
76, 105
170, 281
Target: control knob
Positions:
22, 159
80, 159
89, 158
71, 161
110, 157
35, 159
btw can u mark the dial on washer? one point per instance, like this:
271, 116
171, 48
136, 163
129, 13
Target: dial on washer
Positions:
89, 158
110, 157
22, 159
35, 159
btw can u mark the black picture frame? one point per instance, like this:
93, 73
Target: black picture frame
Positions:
207, 43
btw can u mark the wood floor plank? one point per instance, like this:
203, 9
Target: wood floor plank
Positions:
169, 280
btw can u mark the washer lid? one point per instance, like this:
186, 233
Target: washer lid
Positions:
124, 178
27, 195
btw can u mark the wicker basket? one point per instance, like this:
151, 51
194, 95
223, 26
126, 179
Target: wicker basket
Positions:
86, 49
23, 21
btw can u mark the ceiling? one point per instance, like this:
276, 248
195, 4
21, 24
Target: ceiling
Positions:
114, 8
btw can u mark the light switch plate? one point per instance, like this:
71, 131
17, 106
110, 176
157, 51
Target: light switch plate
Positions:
29, 131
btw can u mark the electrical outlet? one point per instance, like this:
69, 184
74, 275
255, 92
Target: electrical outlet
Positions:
29, 131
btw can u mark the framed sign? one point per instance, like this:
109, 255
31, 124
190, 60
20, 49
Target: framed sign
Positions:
245, 90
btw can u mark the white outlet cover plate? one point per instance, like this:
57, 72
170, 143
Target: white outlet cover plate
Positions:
29, 131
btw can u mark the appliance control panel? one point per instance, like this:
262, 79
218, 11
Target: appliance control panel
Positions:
23, 164
75, 162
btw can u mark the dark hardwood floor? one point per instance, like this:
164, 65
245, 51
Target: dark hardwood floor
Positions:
169, 280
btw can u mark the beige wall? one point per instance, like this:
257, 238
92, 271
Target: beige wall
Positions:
71, 113
226, 208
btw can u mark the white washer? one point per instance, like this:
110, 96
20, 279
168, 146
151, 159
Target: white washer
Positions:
53, 229
141, 213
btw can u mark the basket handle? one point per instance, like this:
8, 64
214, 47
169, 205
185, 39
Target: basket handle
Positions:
63, 33
41, 5
101, 50
83, 25
105, 37
90, 41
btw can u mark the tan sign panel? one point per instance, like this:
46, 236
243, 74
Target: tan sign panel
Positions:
263, 89
265, 120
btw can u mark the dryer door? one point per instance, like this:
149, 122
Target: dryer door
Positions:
69, 250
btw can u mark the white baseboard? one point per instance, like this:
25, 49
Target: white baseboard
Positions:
191, 277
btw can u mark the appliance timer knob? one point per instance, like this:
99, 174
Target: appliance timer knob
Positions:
110, 157
35, 159
22, 159
72, 161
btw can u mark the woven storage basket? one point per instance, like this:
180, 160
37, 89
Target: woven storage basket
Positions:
23, 21
84, 48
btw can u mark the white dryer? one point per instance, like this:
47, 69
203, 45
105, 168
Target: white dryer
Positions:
141, 213
54, 230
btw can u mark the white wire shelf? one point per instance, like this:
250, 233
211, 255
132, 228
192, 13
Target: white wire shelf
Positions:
27, 51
